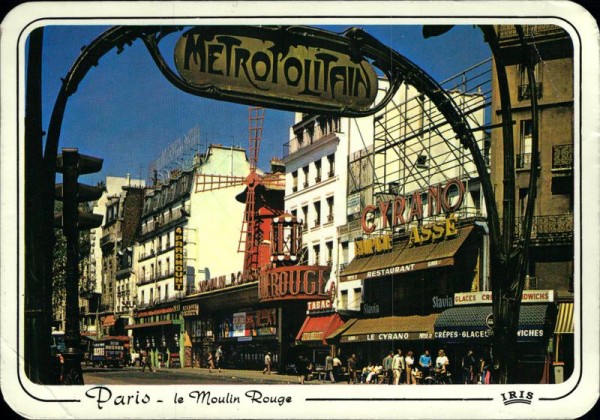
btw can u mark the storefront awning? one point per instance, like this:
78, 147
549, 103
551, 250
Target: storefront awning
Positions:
407, 258
390, 328
474, 323
108, 320
564, 319
317, 327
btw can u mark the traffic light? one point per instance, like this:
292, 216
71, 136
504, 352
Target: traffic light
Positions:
72, 164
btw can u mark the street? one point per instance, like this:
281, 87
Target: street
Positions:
134, 375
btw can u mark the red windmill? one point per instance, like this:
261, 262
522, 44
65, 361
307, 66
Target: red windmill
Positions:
263, 197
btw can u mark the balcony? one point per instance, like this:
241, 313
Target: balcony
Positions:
506, 32
525, 94
562, 157
523, 161
548, 229
107, 239
329, 218
317, 179
123, 273
331, 173
311, 130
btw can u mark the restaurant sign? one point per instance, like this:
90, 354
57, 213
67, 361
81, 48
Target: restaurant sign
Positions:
298, 282
387, 336
281, 64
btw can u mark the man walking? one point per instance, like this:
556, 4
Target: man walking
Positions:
352, 369
329, 368
398, 366
387, 368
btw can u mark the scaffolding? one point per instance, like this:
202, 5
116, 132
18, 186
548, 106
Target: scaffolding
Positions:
415, 147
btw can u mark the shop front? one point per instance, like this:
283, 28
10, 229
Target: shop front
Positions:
371, 339
563, 342
158, 335
469, 327
246, 335
320, 322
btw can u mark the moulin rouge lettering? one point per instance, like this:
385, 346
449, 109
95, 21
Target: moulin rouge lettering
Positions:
246, 64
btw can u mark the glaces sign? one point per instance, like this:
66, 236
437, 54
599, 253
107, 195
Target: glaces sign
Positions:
266, 63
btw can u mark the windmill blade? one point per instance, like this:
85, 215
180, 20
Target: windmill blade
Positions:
274, 181
216, 182
247, 232
256, 117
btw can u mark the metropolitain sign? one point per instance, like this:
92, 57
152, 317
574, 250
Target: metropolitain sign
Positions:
298, 282
272, 63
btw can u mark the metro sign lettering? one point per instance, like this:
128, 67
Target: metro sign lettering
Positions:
271, 62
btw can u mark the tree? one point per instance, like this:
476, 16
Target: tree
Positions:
60, 261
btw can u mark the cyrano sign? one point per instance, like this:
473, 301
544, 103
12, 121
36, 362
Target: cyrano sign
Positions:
266, 62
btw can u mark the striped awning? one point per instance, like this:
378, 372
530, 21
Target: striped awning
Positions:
564, 319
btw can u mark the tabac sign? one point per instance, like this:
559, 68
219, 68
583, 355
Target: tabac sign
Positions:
277, 63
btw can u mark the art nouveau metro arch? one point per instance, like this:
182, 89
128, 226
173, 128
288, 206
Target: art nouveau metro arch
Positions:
321, 72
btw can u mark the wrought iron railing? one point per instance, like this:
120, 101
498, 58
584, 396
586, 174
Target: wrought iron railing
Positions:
524, 160
549, 227
562, 156
524, 92
310, 131
509, 31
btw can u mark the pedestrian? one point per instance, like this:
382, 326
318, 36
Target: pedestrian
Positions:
442, 362
387, 368
143, 363
329, 368
337, 368
468, 366
398, 366
219, 357
425, 363
211, 361
409, 361
302, 368
268, 362
352, 369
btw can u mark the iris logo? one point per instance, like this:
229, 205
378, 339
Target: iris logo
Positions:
514, 397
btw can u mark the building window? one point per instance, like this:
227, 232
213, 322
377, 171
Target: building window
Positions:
344, 299
158, 293
304, 217
305, 172
422, 161
151, 295
331, 161
168, 268
523, 158
317, 253
294, 181
329, 209
329, 246
524, 92
318, 170
142, 298
317, 205
166, 291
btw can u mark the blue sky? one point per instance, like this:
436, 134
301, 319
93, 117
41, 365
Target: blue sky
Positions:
126, 112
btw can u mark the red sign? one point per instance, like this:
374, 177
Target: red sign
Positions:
304, 282
404, 209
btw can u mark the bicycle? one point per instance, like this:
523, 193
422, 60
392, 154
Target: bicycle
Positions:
438, 378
